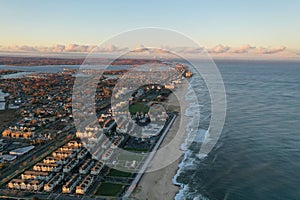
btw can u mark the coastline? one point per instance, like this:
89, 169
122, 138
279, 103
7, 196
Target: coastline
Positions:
160, 183
157, 184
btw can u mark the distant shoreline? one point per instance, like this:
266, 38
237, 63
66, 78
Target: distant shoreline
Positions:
42, 61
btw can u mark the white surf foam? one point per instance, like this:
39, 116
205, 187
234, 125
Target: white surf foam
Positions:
188, 160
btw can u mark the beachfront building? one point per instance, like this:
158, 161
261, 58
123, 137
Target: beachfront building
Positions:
158, 115
151, 130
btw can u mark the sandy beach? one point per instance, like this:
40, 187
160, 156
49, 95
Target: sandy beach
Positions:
158, 184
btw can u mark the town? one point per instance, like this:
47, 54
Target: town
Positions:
45, 154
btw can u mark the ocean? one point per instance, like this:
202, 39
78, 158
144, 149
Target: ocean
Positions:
258, 153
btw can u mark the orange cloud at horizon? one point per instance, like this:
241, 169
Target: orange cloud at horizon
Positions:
219, 50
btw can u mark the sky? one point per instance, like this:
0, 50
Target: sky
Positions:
263, 24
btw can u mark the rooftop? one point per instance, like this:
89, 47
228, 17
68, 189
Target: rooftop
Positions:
21, 151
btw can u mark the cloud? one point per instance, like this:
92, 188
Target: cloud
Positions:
150, 50
219, 49
263, 50
59, 48
109, 49
77, 48
243, 49
188, 50
141, 49
23, 48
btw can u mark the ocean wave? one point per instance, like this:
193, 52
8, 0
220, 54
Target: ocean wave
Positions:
188, 163
190, 158
192, 110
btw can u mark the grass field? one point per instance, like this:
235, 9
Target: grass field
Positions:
109, 189
117, 173
131, 157
136, 149
139, 107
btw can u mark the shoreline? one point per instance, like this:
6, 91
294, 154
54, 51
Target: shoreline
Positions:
160, 183
157, 184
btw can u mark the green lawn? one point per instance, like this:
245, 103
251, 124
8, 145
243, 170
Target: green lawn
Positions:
139, 107
109, 189
136, 149
117, 173
131, 156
